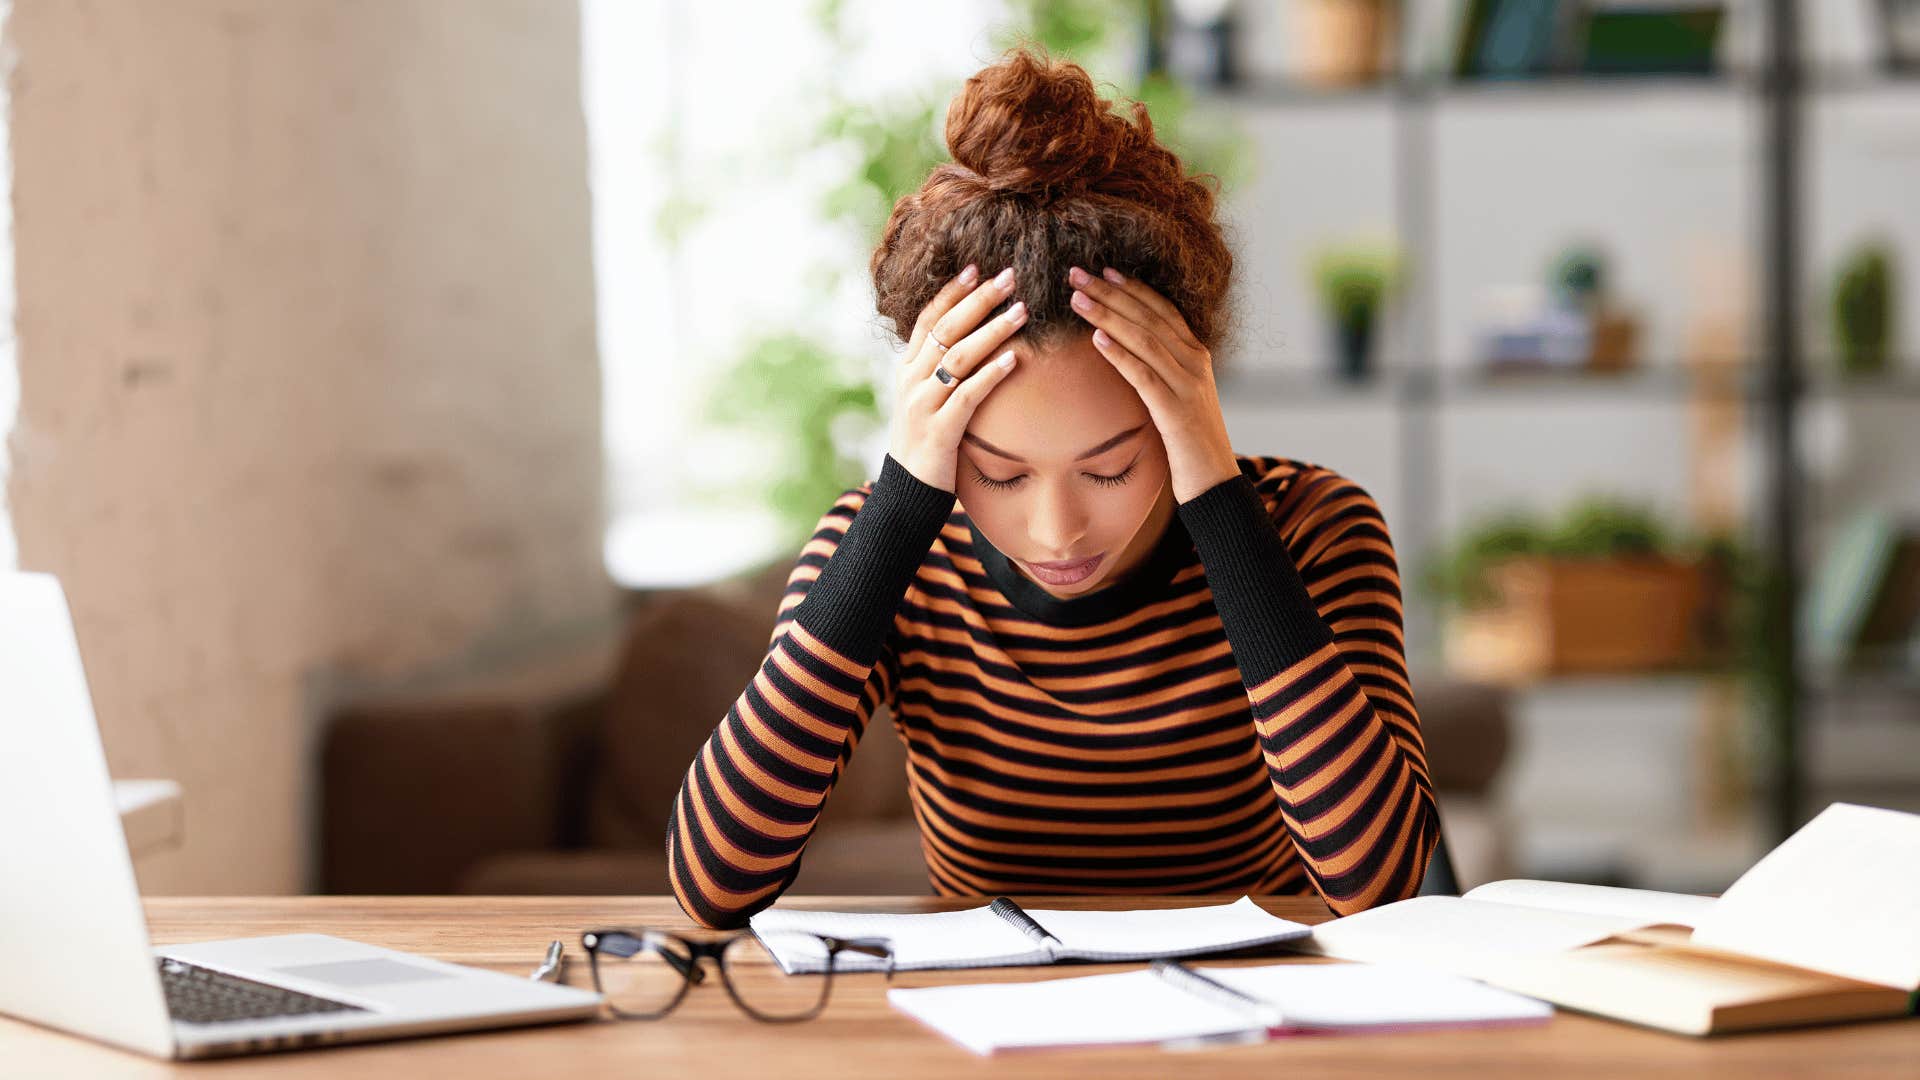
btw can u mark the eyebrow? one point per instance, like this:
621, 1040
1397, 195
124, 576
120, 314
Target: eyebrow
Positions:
1095, 452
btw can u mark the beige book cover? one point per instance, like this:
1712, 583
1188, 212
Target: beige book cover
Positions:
1826, 927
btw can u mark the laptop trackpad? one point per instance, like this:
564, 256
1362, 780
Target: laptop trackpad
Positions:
354, 974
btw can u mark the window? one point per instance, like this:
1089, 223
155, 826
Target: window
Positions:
700, 116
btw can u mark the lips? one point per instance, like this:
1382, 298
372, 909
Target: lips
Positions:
1067, 573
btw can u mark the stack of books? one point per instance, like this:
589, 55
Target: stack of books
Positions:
1826, 927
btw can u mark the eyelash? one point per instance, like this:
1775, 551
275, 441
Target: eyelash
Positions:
1106, 481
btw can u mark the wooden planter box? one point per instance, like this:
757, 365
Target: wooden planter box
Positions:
1583, 616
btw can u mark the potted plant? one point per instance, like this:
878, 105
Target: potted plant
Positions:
806, 396
1354, 281
1607, 588
1863, 310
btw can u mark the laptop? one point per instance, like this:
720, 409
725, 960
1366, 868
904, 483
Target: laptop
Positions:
74, 950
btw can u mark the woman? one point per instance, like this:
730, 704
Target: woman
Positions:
1123, 658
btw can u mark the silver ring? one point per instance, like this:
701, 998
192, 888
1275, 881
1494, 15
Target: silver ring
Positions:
943, 345
940, 372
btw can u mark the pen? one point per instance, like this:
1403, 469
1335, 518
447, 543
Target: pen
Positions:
549, 969
1188, 979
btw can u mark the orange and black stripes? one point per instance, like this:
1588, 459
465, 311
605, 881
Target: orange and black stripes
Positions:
1233, 716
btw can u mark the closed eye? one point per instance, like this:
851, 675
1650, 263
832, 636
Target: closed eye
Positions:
1015, 481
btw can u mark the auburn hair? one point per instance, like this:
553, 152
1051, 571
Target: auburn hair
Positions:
1046, 175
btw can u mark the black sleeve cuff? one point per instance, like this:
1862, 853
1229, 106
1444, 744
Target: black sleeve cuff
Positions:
851, 605
1269, 617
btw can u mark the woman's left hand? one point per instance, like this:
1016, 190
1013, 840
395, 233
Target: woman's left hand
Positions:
1143, 335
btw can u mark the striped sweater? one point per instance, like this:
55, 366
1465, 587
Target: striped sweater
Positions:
1234, 715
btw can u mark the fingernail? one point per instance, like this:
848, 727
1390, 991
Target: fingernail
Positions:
1077, 276
1080, 301
1018, 311
1100, 337
1113, 275
970, 275
1006, 359
1005, 278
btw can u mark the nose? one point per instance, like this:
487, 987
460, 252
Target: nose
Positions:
1057, 524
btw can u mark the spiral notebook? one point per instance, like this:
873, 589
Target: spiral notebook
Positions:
1180, 1007
1003, 934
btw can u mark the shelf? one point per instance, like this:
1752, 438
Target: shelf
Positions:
1853, 684
1660, 382
1431, 89
1673, 381
1768, 101
1430, 92
1882, 681
1287, 92
1856, 80
1269, 386
1626, 680
1899, 385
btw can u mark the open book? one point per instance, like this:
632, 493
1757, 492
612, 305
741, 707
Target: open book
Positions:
1167, 1005
1825, 927
1002, 934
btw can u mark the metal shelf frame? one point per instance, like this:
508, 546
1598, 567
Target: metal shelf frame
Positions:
1774, 379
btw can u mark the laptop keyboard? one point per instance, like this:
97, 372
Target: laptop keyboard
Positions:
203, 996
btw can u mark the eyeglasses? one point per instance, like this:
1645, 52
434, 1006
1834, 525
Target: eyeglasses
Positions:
644, 973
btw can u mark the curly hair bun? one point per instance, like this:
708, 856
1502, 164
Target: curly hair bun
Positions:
1036, 128
1046, 174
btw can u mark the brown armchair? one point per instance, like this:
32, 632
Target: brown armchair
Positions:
559, 781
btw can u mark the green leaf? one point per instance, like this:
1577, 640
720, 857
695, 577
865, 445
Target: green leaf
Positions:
802, 391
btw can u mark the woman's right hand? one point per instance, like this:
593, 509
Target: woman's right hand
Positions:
929, 416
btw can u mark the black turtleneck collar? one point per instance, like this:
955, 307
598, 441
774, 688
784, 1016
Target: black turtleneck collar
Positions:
1140, 587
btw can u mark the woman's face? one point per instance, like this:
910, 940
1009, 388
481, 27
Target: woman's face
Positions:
1061, 463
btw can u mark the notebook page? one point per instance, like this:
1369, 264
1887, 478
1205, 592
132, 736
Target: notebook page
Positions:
1138, 1006
1166, 932
1466, 937
1128, 1007
936, 939
1842, 895
1376, 995
1680, 909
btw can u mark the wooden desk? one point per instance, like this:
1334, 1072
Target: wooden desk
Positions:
859, 1035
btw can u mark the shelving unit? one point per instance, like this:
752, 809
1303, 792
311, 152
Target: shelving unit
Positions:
1775, 381
1657, 381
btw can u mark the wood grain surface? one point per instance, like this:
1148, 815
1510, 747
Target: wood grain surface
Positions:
859, 1035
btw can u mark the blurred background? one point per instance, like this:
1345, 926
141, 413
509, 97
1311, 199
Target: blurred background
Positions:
423, 401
